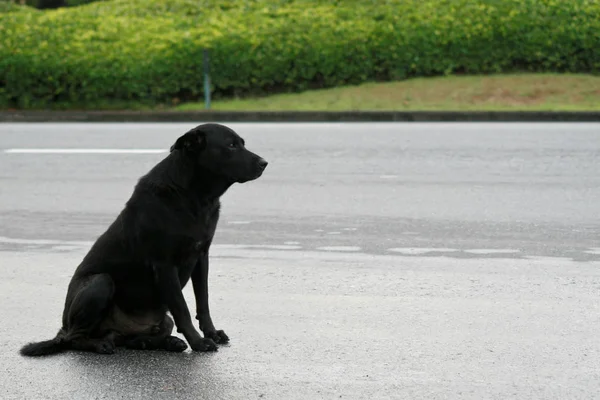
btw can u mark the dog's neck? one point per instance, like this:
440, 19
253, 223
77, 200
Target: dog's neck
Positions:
205, 184
202, 183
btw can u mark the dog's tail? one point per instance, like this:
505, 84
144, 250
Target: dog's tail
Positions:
45, 348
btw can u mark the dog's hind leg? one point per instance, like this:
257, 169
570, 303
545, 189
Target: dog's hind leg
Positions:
88, 301
161, 340
89, 307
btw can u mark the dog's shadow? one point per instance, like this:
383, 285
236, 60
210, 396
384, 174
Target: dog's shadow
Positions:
150, 374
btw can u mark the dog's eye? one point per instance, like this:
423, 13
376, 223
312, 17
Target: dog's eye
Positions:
232, 145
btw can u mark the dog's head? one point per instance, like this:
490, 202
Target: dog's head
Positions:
220, 150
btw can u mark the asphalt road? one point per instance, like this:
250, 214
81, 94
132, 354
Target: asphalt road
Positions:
416, 261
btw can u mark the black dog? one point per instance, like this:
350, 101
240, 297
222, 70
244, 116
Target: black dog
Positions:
135, 272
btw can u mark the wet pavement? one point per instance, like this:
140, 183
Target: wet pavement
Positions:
417, 261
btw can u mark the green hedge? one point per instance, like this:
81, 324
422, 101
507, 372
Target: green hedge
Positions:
151, 50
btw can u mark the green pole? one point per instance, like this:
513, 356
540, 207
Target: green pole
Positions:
206, 80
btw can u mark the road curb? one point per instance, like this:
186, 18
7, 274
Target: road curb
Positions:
299, 116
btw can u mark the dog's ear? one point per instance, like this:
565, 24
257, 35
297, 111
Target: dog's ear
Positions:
193, 141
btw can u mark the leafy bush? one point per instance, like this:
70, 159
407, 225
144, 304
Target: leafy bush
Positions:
9, 6
151, 50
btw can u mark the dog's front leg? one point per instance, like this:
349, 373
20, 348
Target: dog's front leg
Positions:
168, 283
200, 283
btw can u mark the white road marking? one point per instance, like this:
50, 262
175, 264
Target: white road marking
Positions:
76, 244
339, 248
65, 247
84, 151
254, 246
239, 222
42, 242
594, 250
421, 250
491, 251
349, 229
275, 246
334, 233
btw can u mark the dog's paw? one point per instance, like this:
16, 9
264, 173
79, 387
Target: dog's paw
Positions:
175, 344
217, 336
138, 343
104, 347
204, 344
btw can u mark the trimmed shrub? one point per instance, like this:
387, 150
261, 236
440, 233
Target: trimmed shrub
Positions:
151, 51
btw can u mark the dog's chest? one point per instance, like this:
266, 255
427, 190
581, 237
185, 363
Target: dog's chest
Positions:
198, 232
202, 227
197, 245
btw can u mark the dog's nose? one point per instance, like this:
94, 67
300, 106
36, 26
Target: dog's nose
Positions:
262, 163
